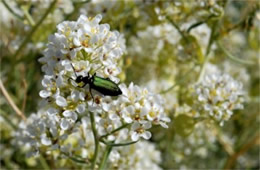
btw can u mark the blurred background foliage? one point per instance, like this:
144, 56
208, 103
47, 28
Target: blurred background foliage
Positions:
224, 32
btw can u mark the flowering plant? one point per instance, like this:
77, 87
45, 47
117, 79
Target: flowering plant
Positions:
129, 84
68, 110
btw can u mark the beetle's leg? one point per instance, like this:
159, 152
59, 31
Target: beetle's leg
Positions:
70, 79
91, 95
89, 75
83, 85
74, 81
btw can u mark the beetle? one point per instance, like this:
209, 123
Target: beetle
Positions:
103, 85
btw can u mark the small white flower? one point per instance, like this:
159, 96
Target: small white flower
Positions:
45, 141
45, 93
140, 131
64, 125
61, 101
63, 137
46, 81
52, 111
67, 113
55, 147
81, 108
128, 112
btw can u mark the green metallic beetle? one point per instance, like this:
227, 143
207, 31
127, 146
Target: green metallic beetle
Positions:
102, 85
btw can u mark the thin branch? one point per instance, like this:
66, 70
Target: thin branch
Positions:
249, 12
105, 157
118, 144
115, 130
34, 29
233, 58
11, 102
199, 23
211, 39
177, 27
94, 130
25, 95
242, 150
28, 16
226, 145
12, 11
214, 35
75, 159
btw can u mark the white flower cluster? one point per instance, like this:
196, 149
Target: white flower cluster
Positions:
200, 143
43, 132
163, 39
90, 46
157, 36
158, 85
84, 48
137, 107
218, 95
140, 156
87, 46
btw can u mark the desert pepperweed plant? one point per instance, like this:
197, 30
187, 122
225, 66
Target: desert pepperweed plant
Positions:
120, 85
82, 48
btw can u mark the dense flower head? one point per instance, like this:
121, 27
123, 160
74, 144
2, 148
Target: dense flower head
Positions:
218, 95
42, 130
78, 49
90, 46
138, 107
84, 48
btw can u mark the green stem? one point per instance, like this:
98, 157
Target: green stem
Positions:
214, 35
105, 157
94, 130
75, 159
28, 16
195, 25
233, 58
199, 23
33, 30
115, 130
12, 11
44, 163
203, 67
117, 144
177, 27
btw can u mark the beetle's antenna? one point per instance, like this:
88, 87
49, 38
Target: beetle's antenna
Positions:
74, 70
98, 68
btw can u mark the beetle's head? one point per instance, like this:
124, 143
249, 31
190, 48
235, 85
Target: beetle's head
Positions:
79, 79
